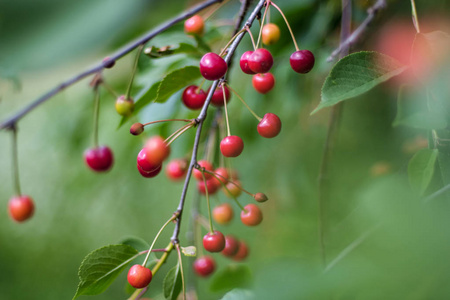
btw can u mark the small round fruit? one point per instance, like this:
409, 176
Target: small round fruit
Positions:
269, 126
212, 184
231, 146
231, 246
203, 164
139, 277
260, 61
263, 83
214, 242
302, 61
21, 208
137, 129
193, 97
149, 174
212, 66
270, 34
217, 97
222, 176
155, 151
204, 266
176, 169
261, 197
223, 213
251, 215
242, 252
99, 159
234, 189
194, 25
244, 63
124, 106
108, 63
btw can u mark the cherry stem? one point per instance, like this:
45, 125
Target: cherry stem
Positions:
15, 157
287, 23
226, 111
202, 221
174, 216
136, 60
199, 88
214, 10
414, 16
179, 133
246, 105
202, 170
225, 187
262, 22
251, 37
198, 232
110, 90
211, 143
96, 114
224, 49
181, 270
167, 120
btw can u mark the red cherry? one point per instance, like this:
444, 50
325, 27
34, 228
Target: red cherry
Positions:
251, 215
193, 98
260, 61
205, 164
139, 277
302, 61
244, 63
21, 208
153, 154
212, 66
263, 83
204, 266
214, 242
144, 161
176, 169
222, 213
212, 184
151, 173
269, 126
231, 146
233, 189
242, 252
194, 25
99, 159
217, 97
222, 176
231, 246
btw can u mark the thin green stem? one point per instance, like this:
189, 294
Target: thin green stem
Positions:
15, 157
225, 187
245, 104
261, 24
156, 238
199, 88
167, 120
176, 132
187, 127
224, 49
414, 16
226, 111
110, 90
133, 73
251, 37
211, 229
287, 23
181, 270
96, 114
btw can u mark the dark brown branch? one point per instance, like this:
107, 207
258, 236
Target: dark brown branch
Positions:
98, 67
356, 35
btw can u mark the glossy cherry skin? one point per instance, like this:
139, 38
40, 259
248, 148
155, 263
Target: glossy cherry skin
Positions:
231, 246
139, 277
124, 106
242, 252
176, 169
193, 98
260, 61
21, 208
99, 159
221, 176
302, 61
223, 213
270, 34
243, 62
194, 25
214, 242
269, 126
263, 83
251, 215
217, 97
212, 66
234, 190
155, 151
231, 146
149, 174
204, 266
205, 164
212, 185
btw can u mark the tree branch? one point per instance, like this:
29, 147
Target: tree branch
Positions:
7, 124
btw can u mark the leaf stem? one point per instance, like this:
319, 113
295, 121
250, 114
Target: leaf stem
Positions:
246, 105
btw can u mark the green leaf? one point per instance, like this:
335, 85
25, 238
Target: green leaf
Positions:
421, 169
100, 267
356, 74
189, 251
175, 81
238, 294
186, 49
172, 283
234, 276
423, 120
135, 242
201, 44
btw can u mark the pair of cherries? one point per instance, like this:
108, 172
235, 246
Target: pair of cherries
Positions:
151, 157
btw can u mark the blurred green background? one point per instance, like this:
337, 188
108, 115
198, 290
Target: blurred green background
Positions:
398, 245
